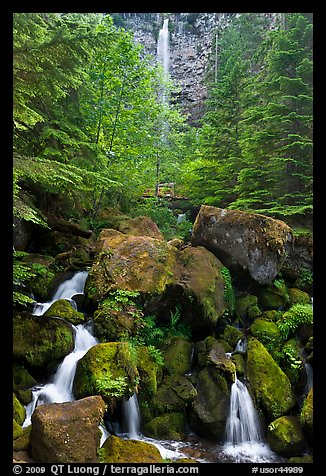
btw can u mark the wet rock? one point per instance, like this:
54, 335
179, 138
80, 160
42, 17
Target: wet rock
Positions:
108, 370
117, 450
40, 340
140, 226
271, 386
67, 432
285, 436
62, 308
254, 243
177, 353
168, 426
306, 414
210, 407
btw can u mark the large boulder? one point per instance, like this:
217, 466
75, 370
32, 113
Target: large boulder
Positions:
62, 308
67, 432
169, 426
40, 340
131, 263
307, 413
271, 386
162, 275
117, 450
285, 436
108, 370
299, 258
140, 226
249, 241
210, 407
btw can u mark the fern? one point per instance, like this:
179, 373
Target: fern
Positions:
298, 315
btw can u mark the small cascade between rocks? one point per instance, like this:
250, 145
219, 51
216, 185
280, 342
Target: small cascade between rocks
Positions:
66, 290
131, 417
244, 435
59, 388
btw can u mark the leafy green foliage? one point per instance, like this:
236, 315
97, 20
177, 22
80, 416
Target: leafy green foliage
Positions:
229, 293
110, 387
22, 273
298, 315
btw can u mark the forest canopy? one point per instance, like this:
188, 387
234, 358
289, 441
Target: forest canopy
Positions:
90, 130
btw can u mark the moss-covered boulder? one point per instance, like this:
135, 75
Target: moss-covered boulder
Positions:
272, 315
22, 443
298, 296
162, 275
22, 379
271, 386
167, 426
39, 341
19, 412
240, 364
177, 353
301, 459
107, 369
210, 407
132, 263
268, 334
255, 243
198, 274
174, 394
117, 450
221, 362
306, 414
140, 226
292, 364
118, 317
67, 432
273, 296
285, 436
148, 371
62, 308
17, 430
232, 335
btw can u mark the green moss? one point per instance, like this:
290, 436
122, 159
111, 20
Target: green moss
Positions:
147, 369
240, 364
243, 303
22, 378
298, 315
291, 362
62, 308
232, 335
273, 296
22, 443
169, 426
18, 410
117, 450
298, 296
306, 413
177, 355
271, 386
285, 436
268, 334
108, 370
17, 430
39, 341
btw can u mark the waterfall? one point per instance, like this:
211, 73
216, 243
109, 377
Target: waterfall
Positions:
243, 423
59, 388
131, 416
66, 290
163, 54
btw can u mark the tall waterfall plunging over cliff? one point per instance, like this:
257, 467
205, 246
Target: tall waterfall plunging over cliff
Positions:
163, 52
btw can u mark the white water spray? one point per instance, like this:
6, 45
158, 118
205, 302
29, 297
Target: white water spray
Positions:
66, 290
131, 416
163, 53
59, 389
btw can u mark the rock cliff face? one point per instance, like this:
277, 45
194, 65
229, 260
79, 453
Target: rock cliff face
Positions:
192, 36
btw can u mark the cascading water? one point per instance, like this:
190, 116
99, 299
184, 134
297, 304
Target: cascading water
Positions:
243, 423
163, 54
59, 389
132, 417
66, 290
